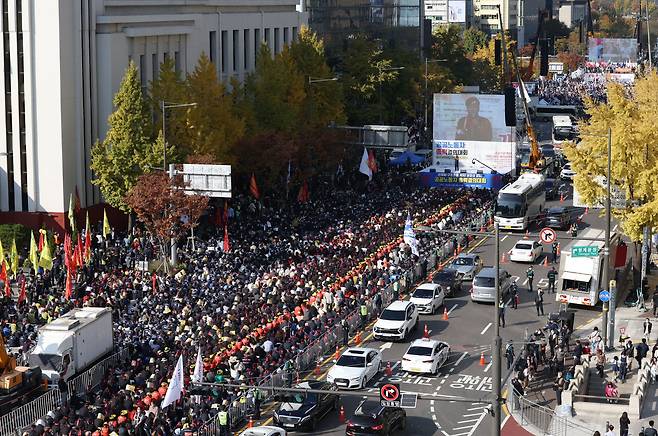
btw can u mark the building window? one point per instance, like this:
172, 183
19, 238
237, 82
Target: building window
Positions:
142, 73
177, 62
236, 51
245, 49
155, 66
166, 56
8, 109
276, 40
212, 48
257, 43
294, 33
286, 35
21, 104
224, 48
267, 37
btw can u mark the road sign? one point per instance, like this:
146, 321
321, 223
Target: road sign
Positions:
547, 235
389, 395
408, 400
585, 251
604, 296
208, 180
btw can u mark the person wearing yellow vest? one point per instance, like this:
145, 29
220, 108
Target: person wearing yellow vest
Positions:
222, 417
363, 310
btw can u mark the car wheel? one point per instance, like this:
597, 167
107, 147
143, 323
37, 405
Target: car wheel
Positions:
435, 371
314, 423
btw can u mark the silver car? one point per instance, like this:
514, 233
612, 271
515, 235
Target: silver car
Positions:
484, 289
467, 265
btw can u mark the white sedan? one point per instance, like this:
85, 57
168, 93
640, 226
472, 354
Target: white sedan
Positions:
355, 368
265, 430
526, 251
425, 356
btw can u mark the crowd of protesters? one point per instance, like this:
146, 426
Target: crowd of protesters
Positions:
282, 260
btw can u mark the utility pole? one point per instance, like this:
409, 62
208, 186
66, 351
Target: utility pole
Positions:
605, 282
648, 37
497, 344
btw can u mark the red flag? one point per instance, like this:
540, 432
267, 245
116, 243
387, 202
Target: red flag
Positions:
41, 236
7, 289
303, 195
372, 162
253, 187
68, 290
3, 272
227, 247
77, 201
154, 280
23, 295
88, 245
225, 212
73, 261
80, 250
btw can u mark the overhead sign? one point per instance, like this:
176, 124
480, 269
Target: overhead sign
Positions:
208, 180
547, 235
604, 296
612, 50
431, 178
408, 400
389, 395
585, 251
555, 67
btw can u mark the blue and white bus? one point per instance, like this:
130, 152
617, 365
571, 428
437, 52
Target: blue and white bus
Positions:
521, 202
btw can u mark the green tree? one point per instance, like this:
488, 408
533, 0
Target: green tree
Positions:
170, 87
127, 150
213, 127
447, 43
486, 73
474, 39
634, 170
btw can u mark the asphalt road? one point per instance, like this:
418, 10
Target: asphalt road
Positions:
469, 331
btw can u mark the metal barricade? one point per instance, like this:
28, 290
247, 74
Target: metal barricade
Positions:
26, 415
94, 375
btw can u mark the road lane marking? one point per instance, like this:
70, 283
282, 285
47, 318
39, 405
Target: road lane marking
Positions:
477, 424
453, 308
385, 345
466, 421
471, 414
614, 229
477, 408
486, 368
502, 424
485, 329
525, 283
505, 237
462, 428
460, 358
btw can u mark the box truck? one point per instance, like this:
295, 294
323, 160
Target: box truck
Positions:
73, 342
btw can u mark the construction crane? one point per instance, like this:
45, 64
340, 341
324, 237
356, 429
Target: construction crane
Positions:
18, 384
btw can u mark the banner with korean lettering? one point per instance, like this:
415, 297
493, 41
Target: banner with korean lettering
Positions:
460, 155
430, 178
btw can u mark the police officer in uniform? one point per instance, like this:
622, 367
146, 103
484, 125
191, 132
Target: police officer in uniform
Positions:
363, 310
554, 251
530, 274
552, 275
222, 417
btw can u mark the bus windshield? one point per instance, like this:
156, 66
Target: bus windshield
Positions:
510, 206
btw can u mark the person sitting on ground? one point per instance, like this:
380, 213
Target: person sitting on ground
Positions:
611, 392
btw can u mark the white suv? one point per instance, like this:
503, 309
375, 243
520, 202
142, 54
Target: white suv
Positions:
396, 321
428, 297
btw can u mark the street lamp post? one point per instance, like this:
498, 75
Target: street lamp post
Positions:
381, 70
320, 80
164, 106
497, 344
425, 96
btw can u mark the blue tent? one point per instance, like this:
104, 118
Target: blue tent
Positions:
407, 157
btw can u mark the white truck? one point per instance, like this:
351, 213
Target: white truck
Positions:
581, 268
73, 342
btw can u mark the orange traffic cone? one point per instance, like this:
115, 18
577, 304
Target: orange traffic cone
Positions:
482, 229
526, 235
545, 261
561, 198
482, 361
317, 369
357, 339
459, 248
389, 370
454, 253
586, 210
503, 258
341, 414
426, 333
298, 379
558, 249
337, 353
250, 424
445, 314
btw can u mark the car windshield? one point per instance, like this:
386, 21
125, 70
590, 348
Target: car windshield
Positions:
424, 293
523, 246
393, 315
484, 282
420, 351
300, 398
368, 408
463, 261
351, 361
509, 205
46, 361
444, 276
548, 152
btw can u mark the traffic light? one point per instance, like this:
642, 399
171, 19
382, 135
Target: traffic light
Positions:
510, 106
543, 65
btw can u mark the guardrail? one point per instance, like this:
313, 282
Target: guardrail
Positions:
94, 375
12, 423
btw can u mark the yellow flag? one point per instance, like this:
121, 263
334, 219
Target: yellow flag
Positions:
46, 260
13, 257
106, 225
34, 259
2, 253
72, 214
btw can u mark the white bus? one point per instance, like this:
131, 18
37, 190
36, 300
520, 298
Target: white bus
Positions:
520, 202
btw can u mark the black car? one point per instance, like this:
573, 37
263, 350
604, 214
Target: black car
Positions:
303, 411
552, 187
449, 280
558, 218
371, 418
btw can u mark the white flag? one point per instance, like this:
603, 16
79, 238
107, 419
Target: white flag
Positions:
197, 377
410, 236
175, 388
523, 93
364, 168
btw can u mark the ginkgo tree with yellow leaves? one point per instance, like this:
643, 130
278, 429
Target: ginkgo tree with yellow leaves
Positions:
632, 116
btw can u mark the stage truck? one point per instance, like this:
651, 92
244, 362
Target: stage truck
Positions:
581, 268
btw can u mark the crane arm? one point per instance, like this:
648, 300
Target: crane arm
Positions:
7, 363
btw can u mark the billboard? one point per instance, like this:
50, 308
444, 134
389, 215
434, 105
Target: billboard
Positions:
472, 126
612, 50
456, 11
429, 178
